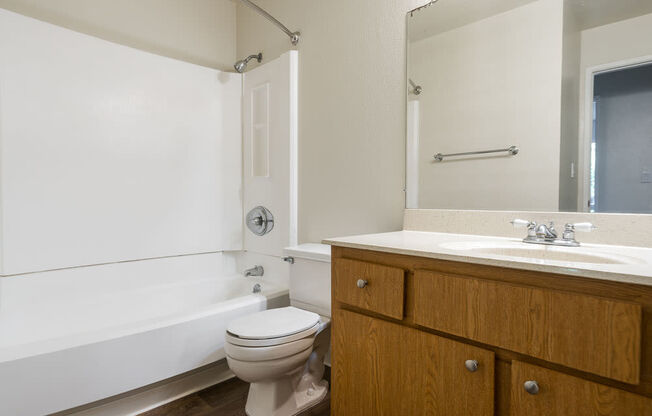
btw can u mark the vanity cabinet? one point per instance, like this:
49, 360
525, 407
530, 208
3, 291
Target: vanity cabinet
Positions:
420, 336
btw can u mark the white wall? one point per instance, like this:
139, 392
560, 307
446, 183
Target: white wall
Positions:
111, 154
490, 85
351, 108
197, 31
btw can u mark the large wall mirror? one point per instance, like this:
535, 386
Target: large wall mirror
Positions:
530, 105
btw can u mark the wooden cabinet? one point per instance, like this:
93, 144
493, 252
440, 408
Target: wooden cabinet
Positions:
542, 323
405, 328
557, 394
384, 369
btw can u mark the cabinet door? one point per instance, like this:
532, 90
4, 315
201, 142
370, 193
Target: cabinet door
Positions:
558, 394
384, 369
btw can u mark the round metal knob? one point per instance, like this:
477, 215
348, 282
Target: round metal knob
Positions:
471, 365
531, 386
362, 283
260, 220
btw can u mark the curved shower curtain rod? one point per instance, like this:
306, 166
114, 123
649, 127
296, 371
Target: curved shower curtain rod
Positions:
294, 36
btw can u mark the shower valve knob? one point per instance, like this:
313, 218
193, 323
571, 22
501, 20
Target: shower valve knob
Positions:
260, 220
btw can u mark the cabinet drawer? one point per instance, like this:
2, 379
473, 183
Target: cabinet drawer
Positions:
561, 394
369, 286
592, 334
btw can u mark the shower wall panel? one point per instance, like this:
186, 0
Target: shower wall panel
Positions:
109, 153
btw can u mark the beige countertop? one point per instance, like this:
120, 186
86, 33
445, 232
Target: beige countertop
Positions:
605, 262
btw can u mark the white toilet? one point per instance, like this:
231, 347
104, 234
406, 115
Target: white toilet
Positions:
281, 351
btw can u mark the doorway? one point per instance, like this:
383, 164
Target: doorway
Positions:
620, 168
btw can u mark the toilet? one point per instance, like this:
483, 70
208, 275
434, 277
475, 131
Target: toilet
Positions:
281, 352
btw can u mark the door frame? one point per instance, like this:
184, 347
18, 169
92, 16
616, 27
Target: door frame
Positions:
586, 122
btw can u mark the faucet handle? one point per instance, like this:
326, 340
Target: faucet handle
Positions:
569, 230
521, 223
583, 226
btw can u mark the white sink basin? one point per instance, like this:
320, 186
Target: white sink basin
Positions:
540, 253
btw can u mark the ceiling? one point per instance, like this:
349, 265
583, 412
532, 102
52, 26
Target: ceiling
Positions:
445, 15
592, 13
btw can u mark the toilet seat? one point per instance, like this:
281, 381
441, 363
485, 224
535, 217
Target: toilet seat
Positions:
245, 342
273, 323
272, 334
274, 352
272, 327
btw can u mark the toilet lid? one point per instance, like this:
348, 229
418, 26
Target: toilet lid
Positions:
273, 323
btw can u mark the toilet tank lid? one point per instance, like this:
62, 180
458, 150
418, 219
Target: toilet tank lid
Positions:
310, 251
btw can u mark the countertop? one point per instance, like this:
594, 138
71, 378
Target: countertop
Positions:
455, 247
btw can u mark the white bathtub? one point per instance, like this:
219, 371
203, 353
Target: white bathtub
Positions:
61, 347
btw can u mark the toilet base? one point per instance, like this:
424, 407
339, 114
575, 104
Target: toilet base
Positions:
280, 398
297, 390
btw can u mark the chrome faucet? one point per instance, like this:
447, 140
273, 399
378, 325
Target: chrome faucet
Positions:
255, 271
546, 234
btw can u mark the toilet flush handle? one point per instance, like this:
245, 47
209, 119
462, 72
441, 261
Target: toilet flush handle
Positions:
362, 283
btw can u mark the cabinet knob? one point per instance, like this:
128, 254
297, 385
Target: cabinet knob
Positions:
531, 387
471, 365
362, 283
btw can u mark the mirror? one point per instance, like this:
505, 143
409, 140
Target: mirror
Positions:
530, 105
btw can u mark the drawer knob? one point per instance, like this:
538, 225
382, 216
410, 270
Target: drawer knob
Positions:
531, 387
362, 283
471, 365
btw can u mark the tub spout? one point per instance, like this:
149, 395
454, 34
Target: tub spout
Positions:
255, 271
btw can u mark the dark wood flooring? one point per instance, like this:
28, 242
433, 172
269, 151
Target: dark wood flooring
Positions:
224, 399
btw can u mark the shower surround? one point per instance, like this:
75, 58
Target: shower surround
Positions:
121, 217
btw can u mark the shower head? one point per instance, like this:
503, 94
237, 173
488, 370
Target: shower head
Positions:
241, 65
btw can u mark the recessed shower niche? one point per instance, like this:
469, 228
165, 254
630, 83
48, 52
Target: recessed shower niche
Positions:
260, 130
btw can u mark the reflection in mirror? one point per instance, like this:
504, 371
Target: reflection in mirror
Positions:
566, 82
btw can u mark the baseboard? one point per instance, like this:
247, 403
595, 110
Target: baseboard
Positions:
154, 395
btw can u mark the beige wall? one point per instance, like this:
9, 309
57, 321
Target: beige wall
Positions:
351, 108
617, 41
492, 84
570, 107
197, 31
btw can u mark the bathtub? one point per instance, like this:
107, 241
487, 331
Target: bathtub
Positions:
59, 350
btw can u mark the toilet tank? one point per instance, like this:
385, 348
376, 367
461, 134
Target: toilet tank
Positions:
310, 277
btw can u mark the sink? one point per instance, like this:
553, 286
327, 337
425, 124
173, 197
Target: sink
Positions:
540, 253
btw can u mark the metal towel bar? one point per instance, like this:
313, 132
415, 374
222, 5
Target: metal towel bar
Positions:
512, 150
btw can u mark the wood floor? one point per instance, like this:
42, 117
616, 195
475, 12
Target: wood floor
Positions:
224, 399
